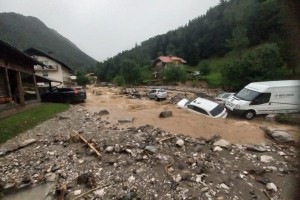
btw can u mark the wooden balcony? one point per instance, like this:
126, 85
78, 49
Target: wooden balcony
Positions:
48, 68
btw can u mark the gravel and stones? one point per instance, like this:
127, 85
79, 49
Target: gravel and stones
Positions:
140, 163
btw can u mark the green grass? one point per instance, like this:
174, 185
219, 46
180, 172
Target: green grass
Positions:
216, 63
16, 124
287, 119
214, 79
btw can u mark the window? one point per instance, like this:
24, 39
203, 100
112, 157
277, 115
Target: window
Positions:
200, 110
246, 94
226, 95
45, 74
65, 89
217, 110
197, 109
261, 99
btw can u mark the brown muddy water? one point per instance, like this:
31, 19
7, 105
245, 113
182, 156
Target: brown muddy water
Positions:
36, 193
145, 111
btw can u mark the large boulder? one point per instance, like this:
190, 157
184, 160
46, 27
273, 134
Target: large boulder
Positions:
280, 136
165, 114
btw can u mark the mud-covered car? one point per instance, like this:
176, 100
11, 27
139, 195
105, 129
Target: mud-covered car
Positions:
203, 106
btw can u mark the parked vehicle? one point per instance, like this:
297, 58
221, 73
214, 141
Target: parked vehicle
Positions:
66, 94
223, 97
265, 98
157, 94
203, 106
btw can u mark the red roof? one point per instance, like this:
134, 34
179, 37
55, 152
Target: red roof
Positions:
168, 59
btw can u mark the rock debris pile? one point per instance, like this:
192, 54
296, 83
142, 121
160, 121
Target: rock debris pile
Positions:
142, 163
132, 93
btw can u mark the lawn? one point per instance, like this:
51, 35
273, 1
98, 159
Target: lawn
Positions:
16, 124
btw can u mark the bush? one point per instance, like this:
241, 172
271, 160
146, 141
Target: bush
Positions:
287, 119
81, 79
130, 71
263, 64
204, 69
119, 80
174, 74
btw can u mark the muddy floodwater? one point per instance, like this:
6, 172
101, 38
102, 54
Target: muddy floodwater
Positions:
38, 192
145, 111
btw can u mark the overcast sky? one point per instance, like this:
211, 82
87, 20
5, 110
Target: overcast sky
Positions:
104, 28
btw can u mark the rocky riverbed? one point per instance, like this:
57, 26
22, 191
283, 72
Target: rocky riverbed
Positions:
141, 163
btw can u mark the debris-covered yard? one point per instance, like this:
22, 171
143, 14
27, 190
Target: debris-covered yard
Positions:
143, 162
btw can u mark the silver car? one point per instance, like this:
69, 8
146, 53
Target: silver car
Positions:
222, 97
157, 94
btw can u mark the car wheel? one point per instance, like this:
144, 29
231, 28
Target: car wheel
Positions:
156, 98
249, 114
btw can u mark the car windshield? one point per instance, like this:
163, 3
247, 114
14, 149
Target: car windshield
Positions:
187, 103
246, 94
220, 95
226, 95
217, 110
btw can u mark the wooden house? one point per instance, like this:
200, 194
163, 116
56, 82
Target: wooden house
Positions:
18, 82
162, 62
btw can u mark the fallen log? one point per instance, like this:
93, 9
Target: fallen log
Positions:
103, 186
164, 139
86, 142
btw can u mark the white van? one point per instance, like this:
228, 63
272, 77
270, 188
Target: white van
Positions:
266, 98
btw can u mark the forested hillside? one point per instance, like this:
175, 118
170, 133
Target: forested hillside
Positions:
25, 32
232, 25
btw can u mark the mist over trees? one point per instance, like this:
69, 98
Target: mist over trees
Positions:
232, 25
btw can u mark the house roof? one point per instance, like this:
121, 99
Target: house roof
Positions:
169, 59
35, 52
9, 50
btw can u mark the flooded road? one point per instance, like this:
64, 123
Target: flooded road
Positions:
145, 111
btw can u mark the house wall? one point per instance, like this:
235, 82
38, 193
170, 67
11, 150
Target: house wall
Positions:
59, 72
66, 77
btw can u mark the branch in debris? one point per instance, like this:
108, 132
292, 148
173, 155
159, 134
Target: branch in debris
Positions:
86, 142
102, 186
164, 139
267, 194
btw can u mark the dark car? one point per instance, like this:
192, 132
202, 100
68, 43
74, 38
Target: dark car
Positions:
66, 94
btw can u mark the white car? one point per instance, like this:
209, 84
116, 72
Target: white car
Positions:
204, 107
223, 97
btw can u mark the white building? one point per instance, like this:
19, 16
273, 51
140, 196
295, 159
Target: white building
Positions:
55, 69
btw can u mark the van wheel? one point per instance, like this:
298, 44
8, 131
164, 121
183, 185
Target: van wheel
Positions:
249, 114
